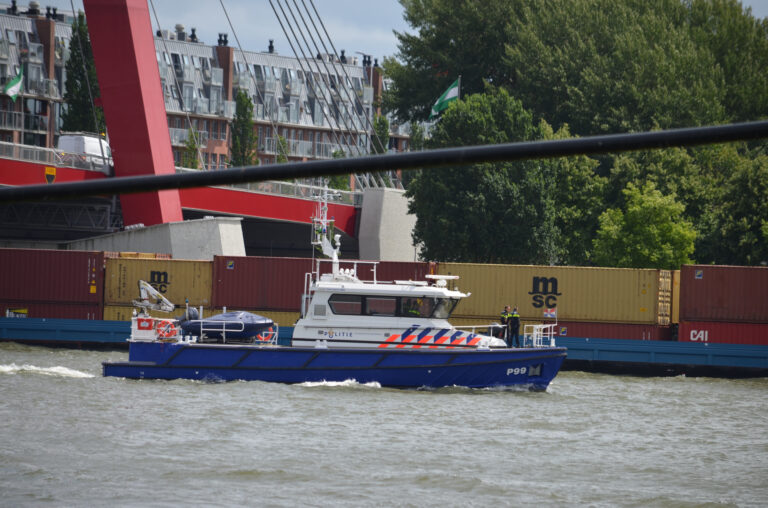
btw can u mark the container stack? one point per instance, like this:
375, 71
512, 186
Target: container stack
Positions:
51, 284
589, 302
724, 304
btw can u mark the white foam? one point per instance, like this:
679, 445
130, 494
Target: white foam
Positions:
57, 371
345, 383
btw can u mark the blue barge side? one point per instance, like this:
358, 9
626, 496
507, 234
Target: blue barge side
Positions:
613, 356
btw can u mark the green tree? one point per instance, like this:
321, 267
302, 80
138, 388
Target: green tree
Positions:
449, 38
500, 212
738, 233
380, 140
282, 150
243, 152
340, 182
81, 72
189, 154
649, 233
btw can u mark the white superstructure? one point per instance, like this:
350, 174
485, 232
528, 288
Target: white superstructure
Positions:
340, 310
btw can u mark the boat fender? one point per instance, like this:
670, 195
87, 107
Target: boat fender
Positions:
266, 335
166, 329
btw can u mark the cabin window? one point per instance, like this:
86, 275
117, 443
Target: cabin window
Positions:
346, 304
380, 305
444, 307
426, 307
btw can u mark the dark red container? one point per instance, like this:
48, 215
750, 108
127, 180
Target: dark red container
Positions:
33, 275
256, 282
724, 333
386, 271
724, 293
58, 310
594, 330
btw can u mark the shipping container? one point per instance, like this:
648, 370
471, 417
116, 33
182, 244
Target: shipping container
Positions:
614, 331
34, 275
675, 318
178, 280
723, 333
613, 295
51, 310
257, 282
137, 255
724, 293
260, 282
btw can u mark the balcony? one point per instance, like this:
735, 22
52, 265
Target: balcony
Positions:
48, 88
10, 120
292, 86
201, 106
228, 109
310, 149
179, 137
32, 54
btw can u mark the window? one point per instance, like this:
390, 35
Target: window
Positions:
350, 305
11, 36
166, 58
195, 62
380, 306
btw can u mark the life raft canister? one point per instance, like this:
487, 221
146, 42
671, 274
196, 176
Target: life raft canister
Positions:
144, 323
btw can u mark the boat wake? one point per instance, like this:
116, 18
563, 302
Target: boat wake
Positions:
349, 383
45, 371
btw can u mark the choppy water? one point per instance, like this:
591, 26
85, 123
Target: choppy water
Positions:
69, 437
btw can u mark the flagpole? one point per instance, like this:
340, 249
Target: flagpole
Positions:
458, 92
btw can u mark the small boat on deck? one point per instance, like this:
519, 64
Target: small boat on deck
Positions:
395, 333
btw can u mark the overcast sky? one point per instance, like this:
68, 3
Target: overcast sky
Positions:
363, 26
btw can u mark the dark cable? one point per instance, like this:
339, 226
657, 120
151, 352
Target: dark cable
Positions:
408, 160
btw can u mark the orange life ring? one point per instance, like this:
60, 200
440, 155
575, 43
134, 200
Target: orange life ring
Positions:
266, 335
166, 329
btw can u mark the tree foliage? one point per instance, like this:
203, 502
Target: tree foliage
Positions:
81, 114
578, 68
380, 141
243, 152
189, 154
501, 212
649, 233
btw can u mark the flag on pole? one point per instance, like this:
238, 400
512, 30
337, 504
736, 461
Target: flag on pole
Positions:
13, 87
444, 100
550, 313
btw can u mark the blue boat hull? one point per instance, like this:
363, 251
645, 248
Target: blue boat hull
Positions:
532, 368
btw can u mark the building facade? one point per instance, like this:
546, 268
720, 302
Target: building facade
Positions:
309, 108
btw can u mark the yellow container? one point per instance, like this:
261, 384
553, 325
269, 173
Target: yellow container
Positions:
675, 315
611, 295
176, 279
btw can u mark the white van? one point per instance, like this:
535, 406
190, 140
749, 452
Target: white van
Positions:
81, 150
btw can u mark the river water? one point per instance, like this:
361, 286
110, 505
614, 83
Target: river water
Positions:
70, 437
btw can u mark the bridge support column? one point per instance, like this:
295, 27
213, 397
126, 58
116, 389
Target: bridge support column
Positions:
134, 107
